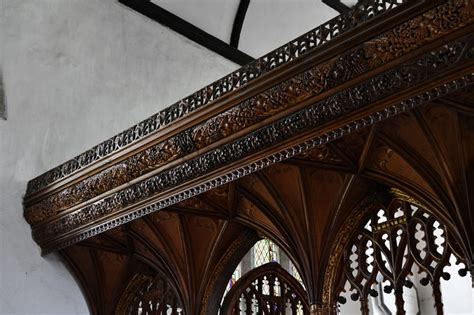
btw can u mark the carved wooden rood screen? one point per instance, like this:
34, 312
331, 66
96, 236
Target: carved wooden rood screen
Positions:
387, 246
350, 148
267, 289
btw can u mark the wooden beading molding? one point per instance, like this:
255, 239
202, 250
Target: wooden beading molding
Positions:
78, 216
141, 190
260, 164
401, 195
285, 54
248, 113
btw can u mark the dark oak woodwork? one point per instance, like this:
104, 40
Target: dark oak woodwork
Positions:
268, 289
373, 110
238, 23
388, 243
243, 136
192, 32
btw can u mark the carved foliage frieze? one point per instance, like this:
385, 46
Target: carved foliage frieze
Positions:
302, 45
269, 135
405, 38
276, 157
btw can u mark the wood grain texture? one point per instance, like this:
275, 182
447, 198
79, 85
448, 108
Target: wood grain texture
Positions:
301, 158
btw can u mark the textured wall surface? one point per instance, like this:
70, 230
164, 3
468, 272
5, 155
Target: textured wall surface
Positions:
75, 72
272, 23
267, 24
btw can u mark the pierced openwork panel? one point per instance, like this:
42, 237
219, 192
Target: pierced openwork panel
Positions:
146, 295
268, 289
393, 242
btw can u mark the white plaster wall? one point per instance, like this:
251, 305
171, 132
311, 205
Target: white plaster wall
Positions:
75, 72
271, 23
215, 17
268, 24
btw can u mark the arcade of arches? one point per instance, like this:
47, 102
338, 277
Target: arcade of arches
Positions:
333, 175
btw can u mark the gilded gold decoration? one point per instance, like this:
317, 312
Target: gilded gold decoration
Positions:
399, 194
351, 223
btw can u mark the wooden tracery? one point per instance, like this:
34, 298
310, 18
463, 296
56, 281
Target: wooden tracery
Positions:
149, 295
387, 245
268, 289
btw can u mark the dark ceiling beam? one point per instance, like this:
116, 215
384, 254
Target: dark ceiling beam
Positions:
337, 5
238, 23
188, 30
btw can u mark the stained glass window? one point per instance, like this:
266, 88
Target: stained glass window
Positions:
235, 276
265, 251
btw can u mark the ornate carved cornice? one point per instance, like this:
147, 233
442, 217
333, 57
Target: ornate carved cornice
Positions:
371, 80
307, 43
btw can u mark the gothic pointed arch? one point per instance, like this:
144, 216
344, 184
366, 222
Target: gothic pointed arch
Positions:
382, 244
146, 294
268, 289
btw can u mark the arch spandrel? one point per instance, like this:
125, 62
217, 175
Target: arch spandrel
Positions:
107, 268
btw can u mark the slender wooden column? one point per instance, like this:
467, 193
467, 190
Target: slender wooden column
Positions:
438, 297
399, 301
364, 306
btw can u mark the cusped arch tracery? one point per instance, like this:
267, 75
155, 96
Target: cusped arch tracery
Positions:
149, 295
382, 246
268, 289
